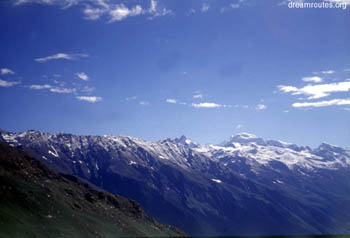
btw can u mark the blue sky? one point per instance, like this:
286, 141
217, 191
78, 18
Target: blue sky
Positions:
155, 69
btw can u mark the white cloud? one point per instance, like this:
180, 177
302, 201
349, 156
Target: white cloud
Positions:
325, 72
93, 13
61, 56
314, 79
234, 5
63, 90
191, 12
239, 126
52, 89
119, 12
130, 98
82, 76
39, 87
231, 6
205, 7
207, 105
63, 3
155, 11
198, 96
7, 84
88, 89
328, 72
48, 2
317, 91
4, 71
260, 107
144, 103
169, 100
91, 99
334, 102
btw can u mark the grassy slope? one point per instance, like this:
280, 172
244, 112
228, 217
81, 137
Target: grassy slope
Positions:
36, 202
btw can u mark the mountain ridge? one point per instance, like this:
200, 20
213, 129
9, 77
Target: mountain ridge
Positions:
208, 190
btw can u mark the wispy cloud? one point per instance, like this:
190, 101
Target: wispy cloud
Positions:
169, 100
119, 12
4, 71
130, 98
317, 91
260, 107
325, 72
61, 56
52, 89
62, 3
205, 7
239, 126
198, 95
39, 87
91, 99
334, 102
144, 103
82, 76
207, 105
63, 90
156, 11
314, 79
7, 84
87, 89
231, 6
192, 11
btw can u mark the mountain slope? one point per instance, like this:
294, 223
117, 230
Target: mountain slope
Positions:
36, 202
245, 186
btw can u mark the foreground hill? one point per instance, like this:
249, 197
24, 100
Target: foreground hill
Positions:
37, 202
244, 186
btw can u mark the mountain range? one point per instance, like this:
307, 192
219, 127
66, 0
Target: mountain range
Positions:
244, 186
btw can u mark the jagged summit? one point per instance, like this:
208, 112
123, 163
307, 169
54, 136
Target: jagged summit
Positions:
185, 141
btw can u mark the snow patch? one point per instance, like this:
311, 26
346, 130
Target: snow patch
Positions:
278, 181
216, 180
53, 153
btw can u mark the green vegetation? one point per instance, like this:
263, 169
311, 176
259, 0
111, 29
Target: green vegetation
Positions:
36, 202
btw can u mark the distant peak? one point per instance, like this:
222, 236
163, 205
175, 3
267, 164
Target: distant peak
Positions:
326, 146
244, 135
185, 141
244, 138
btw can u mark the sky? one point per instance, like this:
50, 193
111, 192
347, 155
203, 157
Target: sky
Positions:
156, 69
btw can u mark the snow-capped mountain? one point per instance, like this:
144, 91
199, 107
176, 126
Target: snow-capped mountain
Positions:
259, 152
244, 186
